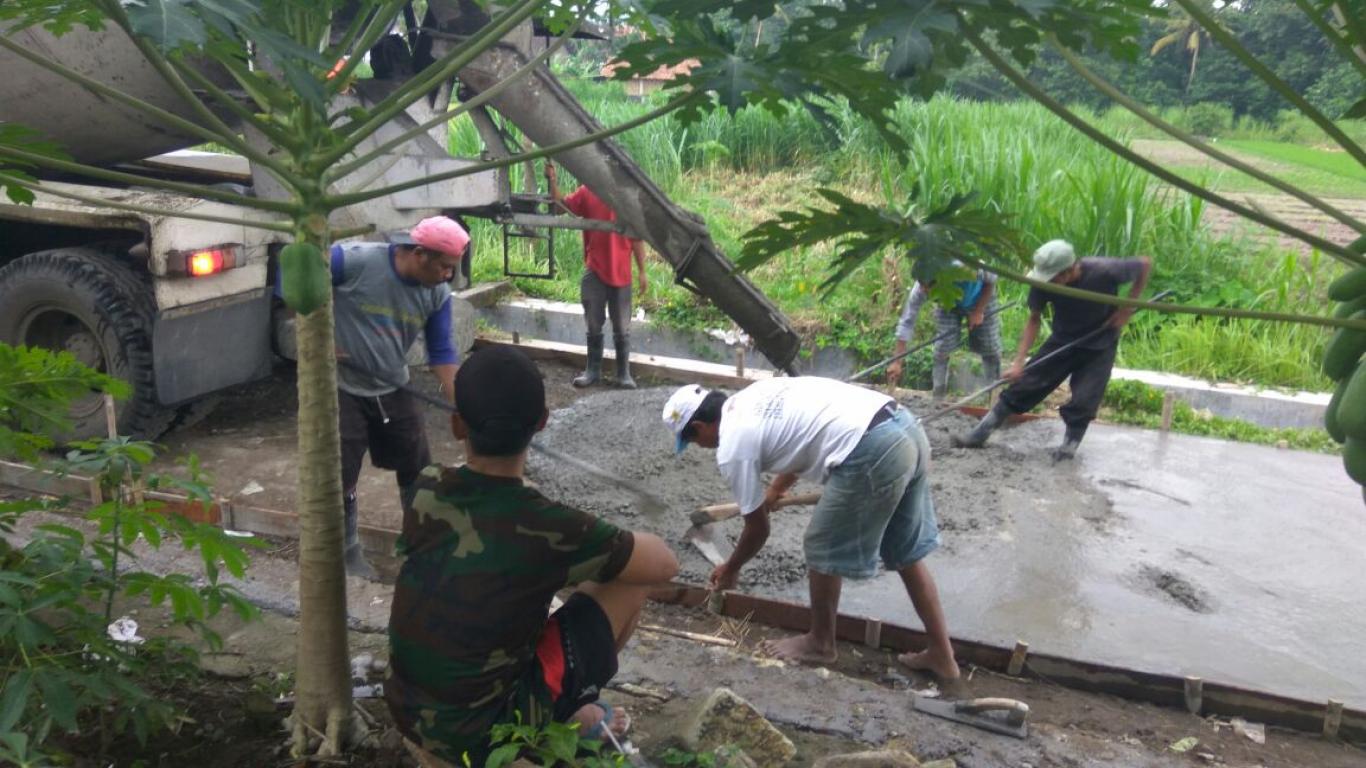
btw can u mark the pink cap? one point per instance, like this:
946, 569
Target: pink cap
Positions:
440, 234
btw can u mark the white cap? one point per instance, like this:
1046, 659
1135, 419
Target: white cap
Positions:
679, 410
1052, 257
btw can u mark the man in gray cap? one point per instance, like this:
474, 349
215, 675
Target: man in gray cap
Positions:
1091, 328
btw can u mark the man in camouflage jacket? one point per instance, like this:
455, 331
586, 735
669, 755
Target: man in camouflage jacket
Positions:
470, 644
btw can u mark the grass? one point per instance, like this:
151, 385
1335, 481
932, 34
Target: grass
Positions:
1227, 180
1139, 404
1337, 163
738, 171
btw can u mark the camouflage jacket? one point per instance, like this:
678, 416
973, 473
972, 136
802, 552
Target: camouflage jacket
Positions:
483, 556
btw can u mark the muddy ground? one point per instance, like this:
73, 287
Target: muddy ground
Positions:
862, 701
622, 433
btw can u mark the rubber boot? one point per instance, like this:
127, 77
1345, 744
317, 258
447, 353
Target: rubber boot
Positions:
1070, 442
592, 373
939, 379
979, 434
623, 345
991, 367
354, 556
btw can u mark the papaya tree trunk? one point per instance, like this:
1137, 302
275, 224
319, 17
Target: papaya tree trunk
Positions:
323, 673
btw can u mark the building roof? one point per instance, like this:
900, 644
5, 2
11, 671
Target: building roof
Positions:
664, 73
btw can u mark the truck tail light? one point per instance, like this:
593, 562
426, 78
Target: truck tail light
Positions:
203, 262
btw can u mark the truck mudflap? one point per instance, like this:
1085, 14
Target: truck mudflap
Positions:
548, 114
201, 348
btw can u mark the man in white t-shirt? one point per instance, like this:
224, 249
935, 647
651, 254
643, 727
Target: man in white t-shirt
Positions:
873, 459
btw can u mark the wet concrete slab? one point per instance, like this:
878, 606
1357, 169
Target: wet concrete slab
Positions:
1232, 562
1172, 554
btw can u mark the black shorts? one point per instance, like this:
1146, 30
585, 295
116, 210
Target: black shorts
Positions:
389, 427
587, 651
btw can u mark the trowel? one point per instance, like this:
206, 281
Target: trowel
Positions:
715, 548
999, 715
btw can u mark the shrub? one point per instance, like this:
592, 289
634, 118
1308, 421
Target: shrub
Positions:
68, 665
1207, 119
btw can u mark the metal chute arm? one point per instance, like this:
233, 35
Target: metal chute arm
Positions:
545, 111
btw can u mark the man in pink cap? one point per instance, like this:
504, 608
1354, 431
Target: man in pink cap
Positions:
385, 295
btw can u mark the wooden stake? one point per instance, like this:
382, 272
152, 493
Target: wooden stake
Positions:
1195, 694
111, 422
716, 602
872, 633
1017, 658
695, 637
1168, 401
1332, 719
740, 362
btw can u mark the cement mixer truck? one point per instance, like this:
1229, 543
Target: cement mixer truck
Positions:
182, 308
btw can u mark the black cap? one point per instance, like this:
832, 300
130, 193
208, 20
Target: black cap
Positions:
499, 391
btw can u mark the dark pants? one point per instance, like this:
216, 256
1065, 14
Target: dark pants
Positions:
1089, 370
390, 428
600, 299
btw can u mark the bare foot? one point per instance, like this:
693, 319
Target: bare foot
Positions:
943, 667
590, 716
802, 648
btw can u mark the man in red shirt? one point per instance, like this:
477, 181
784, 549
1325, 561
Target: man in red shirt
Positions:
606, 285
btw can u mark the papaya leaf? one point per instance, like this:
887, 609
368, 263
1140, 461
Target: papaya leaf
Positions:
168, 24
14, 176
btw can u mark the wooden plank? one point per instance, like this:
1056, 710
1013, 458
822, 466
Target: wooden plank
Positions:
1134, 685
193, 510
270, 522
36, 480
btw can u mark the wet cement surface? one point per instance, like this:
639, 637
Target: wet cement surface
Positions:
1172, 554
1178, 555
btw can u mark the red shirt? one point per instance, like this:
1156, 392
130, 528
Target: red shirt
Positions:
606, 253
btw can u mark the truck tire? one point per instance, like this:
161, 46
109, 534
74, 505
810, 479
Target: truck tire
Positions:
86, 301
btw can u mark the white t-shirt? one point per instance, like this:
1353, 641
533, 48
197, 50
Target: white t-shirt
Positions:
801, 425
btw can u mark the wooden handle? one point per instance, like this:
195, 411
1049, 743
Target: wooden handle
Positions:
1018, 710
718, 512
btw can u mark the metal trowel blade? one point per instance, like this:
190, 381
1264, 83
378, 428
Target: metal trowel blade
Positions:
998, 715
712, 546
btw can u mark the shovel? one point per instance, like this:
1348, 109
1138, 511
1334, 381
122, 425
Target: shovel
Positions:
998, 715
653, 506
702, 534
1032, 363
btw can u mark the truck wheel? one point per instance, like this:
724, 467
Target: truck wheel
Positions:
84, 301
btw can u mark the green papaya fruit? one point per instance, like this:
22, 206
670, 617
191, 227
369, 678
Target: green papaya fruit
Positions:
1349, 286
303, 277
1330, 414
1344, 350
1349, 308
1354, 459
1351, 412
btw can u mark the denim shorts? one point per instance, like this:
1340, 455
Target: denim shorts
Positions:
876, 504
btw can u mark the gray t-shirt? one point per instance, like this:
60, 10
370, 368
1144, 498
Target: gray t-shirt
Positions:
1073, 318
379, 315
